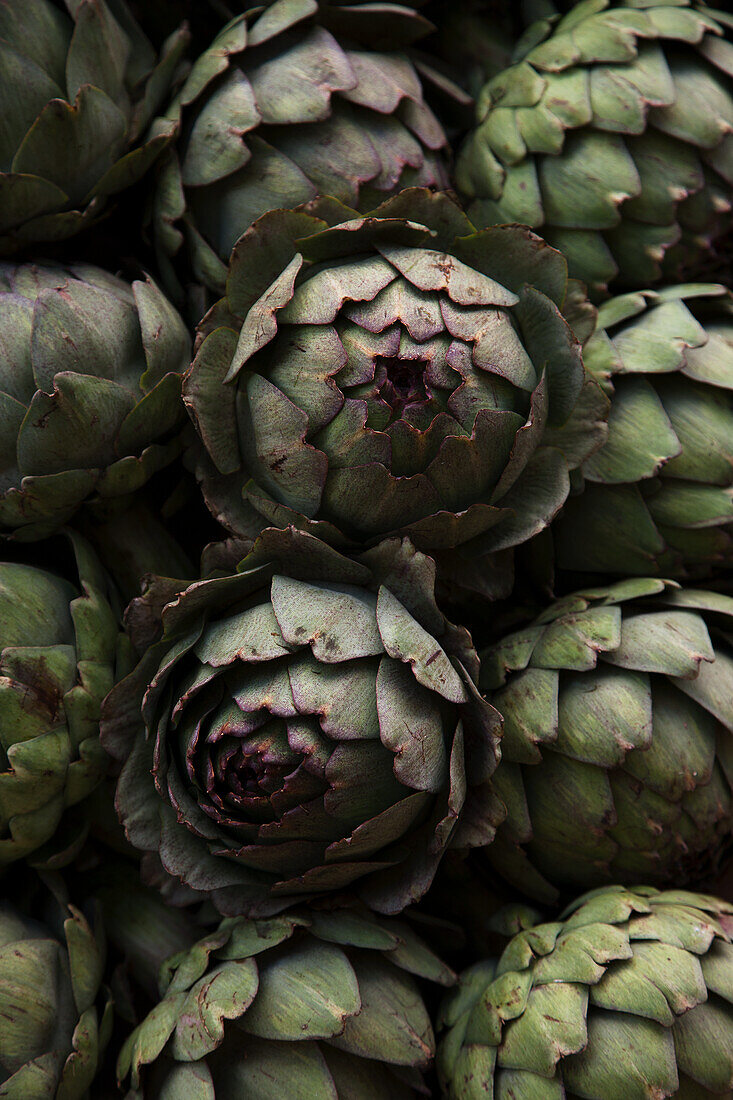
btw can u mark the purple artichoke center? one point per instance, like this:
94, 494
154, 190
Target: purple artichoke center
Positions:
403, 383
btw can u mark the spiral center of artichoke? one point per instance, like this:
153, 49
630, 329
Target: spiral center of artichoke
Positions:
403, 383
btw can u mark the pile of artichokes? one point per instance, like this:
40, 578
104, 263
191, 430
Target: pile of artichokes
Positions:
366, 550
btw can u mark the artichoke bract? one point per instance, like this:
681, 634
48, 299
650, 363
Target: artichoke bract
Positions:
61, 648
612, 134
80, 86
628, 996
617, 756
658, 496
308, 724
290, 101
90, 390
56, 1019
317, 1004
398, 373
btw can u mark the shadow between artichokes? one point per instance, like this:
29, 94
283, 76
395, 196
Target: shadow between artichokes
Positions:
398, 373
627, 996
90, 390
80, 85
306, 725
319, 1004
617, 755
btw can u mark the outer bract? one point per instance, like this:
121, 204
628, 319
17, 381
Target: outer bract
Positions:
618, 745
309, 725
628, 996
398, 373
55, 1025
61, 649
80, 84
90, 390
658, 496
293, 99
323, 1005
612, 133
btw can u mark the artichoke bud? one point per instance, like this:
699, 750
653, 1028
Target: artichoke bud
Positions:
308, 725
658, 496
81, 83
289, 102
627, 994
55, 1020
570, 138
617, 739
314, 1001
61, 650
90, 390
420, 375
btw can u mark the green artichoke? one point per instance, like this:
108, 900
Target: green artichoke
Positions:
317, 1004
90, 390
612, 134
293, 99
617, 756
55, 1020
80, 85
398, 373
658, 496
61, 648
628, 996
309, 725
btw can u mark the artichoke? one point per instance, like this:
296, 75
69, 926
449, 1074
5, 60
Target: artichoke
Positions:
317, 1004
90, 390
628, 996
80, 85
290, 101
55, 1020
309, 725
611, 132
398, 373
658, 497
61, 649
618, 740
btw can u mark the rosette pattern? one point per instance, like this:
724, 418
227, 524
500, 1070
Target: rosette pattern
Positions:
618, 744
628, 995
308, 724
398, 373
290, 101
80, 85
61, 649
56, 1019
612, 135
658, 497
90, 390
317, 1004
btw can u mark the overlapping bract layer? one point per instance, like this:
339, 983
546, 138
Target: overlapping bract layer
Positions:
90, 390
55, 1024
61, 649
395, 373
628, 996
293, 100
80, 85
617, 757
658, 496
612, 134
310, 724
318, 1004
